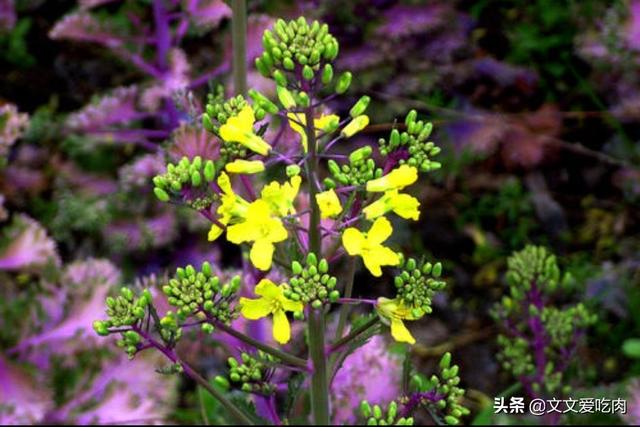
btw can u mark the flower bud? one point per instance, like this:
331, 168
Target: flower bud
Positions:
344, 81
285, 97
161, 194
307, 73
355, 126
327, 74
293, 170
360, 106
280, 78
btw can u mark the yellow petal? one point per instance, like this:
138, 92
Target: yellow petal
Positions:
242, 232
214, 232
290, 305
377, 208
261, 254
384, 255
329, 204
281, 327
253, 309
406, 206
225, 183
379, 231
256, 144
373, 265
400, 333
297, 121
267, 289
245, 166
353, 241
397, 179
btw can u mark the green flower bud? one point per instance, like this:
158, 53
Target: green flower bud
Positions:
262, 68
161, 194
327, 74
222, 382
285, 97
263, 101
360, 106
207, 328
280, 78
329, 183
411, 117
288, 64
307, 73
365, 409
293, 170
344, 81
209, 171
196, 179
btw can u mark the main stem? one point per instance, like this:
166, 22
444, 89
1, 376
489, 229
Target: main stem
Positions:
239, 42
316, 329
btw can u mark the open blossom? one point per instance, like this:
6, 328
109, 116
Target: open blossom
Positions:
239, 128
281, 197
403, 205
261, 228
329, 204
394, 312
272, 302
369, 245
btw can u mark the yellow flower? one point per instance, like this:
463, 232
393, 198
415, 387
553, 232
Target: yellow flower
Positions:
329, 204
280, 197
232, 207
239, 128
271, 302
261, 228
369, 245
355, 126
397, 179
402, 204
245, 166
393, 312
298, 121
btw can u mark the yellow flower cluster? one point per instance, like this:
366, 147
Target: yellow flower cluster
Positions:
260, 222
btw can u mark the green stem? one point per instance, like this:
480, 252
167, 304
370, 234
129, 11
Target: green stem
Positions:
227, 404
316, 327
239, 43
281, 355
348, 291
354, 333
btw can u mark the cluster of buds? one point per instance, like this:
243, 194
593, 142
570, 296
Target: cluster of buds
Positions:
201, 293
539, 338
297, 46
253, 374
124, 310
361, 169
411, 145
417, 283
312, 283
442, 391
196, 174
376, 416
